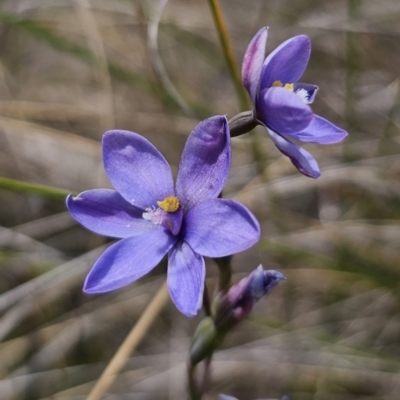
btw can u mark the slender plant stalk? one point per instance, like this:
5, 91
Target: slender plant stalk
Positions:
228, 53
206, 301
390, 126
220, 25
132, 340
17, 186
353, 9
194, 392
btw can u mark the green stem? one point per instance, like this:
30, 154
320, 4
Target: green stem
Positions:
353, 8
194, 392
225, 273
228, 53
245, 122
17, 186
242, 123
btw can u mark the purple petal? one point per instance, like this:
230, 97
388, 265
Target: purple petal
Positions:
128, 260
300, 158
220, 227
320, 131
287, 62
136, 169
186, 274
283, 111
105, 212
306, 92
253, 61
205, 162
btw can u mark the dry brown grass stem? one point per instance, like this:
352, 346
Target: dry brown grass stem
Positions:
130, 343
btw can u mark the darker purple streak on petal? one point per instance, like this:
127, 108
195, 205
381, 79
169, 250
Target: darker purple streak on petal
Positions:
220, 227
128, 260
310, 90
287, 62
106, 212
136, 169
283, 111
300, 158
321, 131
252, 62
186, 274
205, 162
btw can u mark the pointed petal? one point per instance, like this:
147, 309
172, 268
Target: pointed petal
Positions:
128, 260
283, 111
300, 158
287, 62
220, 227
320, 131
205, 162
136, 169
106, 212
306, 91
253, 61
186, 275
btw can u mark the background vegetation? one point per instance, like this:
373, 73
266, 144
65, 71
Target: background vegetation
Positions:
72, 69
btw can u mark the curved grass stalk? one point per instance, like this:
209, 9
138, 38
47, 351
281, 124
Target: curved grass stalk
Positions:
14, 185
228, 54
130, 343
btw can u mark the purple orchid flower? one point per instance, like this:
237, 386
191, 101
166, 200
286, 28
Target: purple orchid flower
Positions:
153, 217
281, 104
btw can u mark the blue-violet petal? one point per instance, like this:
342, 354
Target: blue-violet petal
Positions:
299, 157
106, 212
136, 169
186, 274
283, 111
128, 260
321, 131
220, 227
287, 62
205, 162
253, 61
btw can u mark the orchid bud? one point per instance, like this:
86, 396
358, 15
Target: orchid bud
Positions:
230, 308
238, 302
205, 341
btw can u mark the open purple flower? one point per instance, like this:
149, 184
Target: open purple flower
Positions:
154, 217
281, 104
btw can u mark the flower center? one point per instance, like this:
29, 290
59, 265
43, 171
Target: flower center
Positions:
169, 204
168, 214
288, 86
302, 93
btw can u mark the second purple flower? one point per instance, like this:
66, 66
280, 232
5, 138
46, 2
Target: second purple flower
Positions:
154, 217
281, 103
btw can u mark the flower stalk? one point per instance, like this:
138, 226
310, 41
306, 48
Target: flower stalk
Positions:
228, 52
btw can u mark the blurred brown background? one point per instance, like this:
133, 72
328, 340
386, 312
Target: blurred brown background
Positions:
72, 69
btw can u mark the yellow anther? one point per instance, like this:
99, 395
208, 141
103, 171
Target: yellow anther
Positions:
169, 204
288, 86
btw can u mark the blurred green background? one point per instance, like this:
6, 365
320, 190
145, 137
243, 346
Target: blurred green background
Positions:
72, 69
